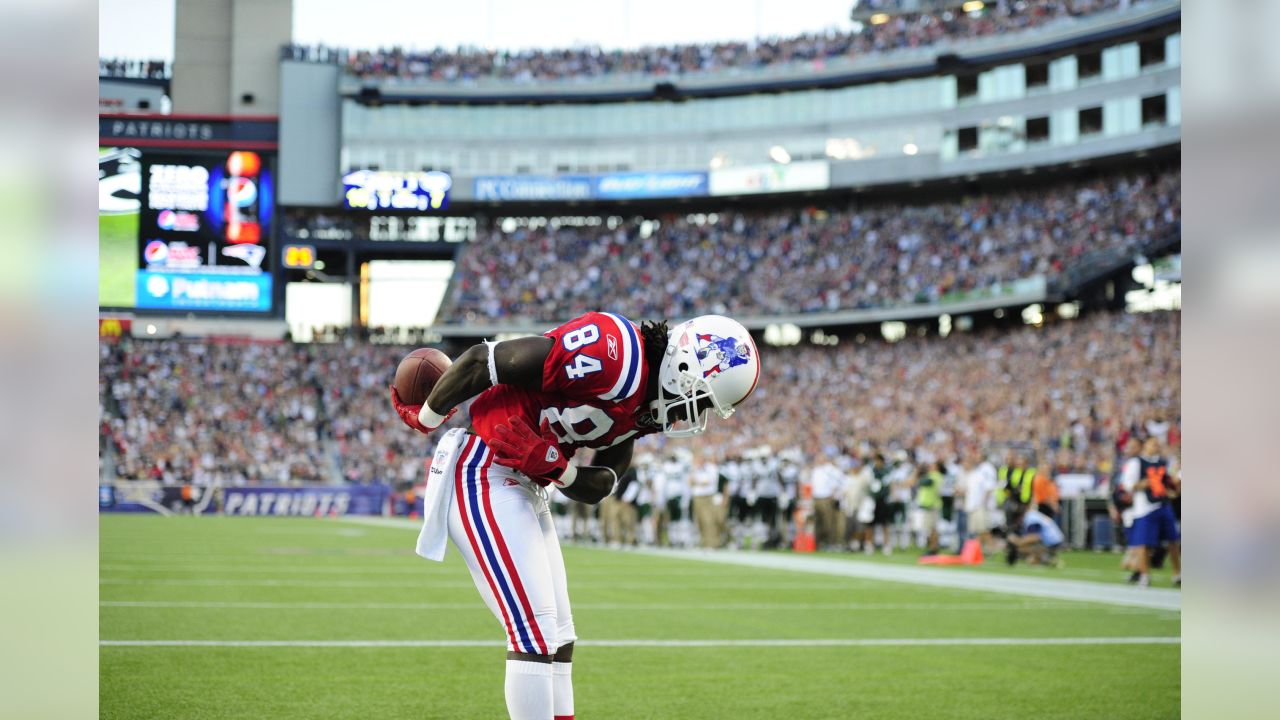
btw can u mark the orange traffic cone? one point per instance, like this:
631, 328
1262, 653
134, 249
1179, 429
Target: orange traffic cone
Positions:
971, 553
941, 560
804, 542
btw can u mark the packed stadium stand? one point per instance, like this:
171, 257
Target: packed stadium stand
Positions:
284, 413
884, 33
134, 69
770, 262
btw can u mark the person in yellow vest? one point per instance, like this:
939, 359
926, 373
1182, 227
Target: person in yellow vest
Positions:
1017, 481
929, 501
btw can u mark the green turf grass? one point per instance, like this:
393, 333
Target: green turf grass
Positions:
117, 260
308, 566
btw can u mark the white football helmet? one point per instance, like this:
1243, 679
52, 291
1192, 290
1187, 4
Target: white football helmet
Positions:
710, 357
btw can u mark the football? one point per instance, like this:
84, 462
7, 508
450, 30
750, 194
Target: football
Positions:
418, 373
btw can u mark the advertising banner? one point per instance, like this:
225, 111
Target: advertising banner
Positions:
651, 185
204, 291
187, 131
309, 501
534, 187
151, 496
114, 327
756, 179
609, 186
381, 190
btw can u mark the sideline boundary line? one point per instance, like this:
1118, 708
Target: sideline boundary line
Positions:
814, 642
952, 578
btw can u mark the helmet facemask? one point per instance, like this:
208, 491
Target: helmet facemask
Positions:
691, 396
685, 416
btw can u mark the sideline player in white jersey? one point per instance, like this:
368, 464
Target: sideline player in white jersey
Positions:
597, 382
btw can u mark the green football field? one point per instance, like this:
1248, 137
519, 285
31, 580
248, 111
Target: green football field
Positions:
323, 618
117, 260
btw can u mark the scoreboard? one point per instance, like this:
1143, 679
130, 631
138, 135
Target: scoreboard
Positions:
188, 230
204, 230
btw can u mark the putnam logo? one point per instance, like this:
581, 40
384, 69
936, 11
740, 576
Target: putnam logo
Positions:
157, 286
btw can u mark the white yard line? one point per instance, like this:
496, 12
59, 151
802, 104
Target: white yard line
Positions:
428, 582
640, 607
801, 642
954, 578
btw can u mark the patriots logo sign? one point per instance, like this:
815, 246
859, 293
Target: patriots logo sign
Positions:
723, 353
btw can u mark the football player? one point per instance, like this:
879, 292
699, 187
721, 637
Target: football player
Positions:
596, 382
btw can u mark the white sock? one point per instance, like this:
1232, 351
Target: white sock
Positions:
528, 690
562, 678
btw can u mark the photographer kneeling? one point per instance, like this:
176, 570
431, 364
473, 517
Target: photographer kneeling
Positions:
1035, 536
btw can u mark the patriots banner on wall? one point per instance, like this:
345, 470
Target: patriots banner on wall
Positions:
322, 500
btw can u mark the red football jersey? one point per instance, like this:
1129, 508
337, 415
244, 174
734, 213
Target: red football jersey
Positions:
593, 382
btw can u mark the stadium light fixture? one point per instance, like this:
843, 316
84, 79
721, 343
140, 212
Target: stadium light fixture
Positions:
893, 331
879, 18
779, 154
1033, 314
910, 149
973, 6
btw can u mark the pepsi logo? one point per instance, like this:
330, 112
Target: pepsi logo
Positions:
155, 252
242, 192
178, 221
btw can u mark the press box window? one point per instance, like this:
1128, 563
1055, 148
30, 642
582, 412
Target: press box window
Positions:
1151, 52
1037, 129
1155, 110
1037, 75
966, 86
1090, 121
1088, 65
968, 137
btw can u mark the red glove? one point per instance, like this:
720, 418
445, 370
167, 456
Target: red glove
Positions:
535, 454
409, 414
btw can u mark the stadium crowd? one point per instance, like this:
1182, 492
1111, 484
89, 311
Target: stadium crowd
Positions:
1070, 396
816, 259
129, 68
212, 413
898, 32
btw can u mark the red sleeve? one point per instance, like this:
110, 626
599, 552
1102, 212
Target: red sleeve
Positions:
596, 356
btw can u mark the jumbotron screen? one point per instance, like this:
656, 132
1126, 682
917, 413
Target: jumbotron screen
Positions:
185, 231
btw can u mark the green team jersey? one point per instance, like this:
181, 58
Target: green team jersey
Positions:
880, 485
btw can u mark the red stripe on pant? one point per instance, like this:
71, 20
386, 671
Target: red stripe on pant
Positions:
564, 717
506, 559
460, 492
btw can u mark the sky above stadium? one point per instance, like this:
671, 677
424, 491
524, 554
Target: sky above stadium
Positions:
143, 29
